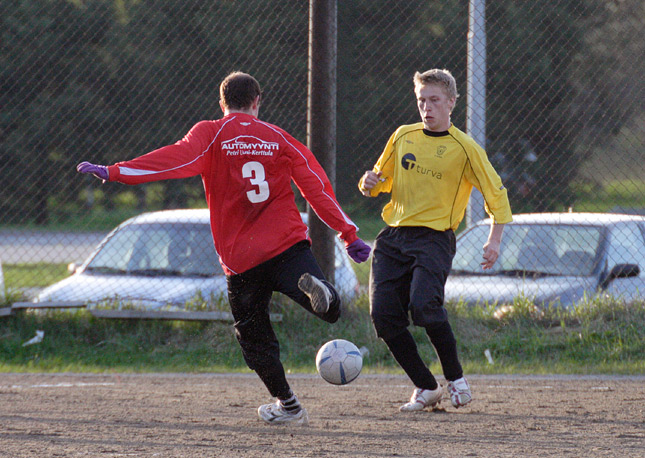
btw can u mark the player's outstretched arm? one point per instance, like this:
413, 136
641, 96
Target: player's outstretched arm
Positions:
99, 171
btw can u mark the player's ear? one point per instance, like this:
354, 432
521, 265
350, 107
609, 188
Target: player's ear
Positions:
222, 106
255, 106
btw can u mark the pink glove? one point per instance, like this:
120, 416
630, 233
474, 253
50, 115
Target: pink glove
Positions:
99, 171
359, 251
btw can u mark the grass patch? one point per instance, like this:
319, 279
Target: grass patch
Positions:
599, 337
36, 275
76, 341
597, 197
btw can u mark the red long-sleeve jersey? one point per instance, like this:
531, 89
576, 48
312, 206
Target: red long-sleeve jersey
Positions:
246, 166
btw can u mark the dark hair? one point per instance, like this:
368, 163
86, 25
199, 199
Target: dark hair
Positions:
239, 90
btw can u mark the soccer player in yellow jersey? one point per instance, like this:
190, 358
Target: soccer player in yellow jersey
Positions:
430, 169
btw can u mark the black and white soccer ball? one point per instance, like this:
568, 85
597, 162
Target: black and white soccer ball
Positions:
339, 361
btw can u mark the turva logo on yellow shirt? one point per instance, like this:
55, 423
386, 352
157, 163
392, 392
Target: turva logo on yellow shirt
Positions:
409, 162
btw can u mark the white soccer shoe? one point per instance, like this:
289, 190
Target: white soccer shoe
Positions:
276, 414
318, 293
459, 392
423, 398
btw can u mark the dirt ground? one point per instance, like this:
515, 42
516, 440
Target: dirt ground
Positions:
211, 415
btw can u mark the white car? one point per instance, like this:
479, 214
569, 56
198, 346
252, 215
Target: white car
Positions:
553, 259
162, 259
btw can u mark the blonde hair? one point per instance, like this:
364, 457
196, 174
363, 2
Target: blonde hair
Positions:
440, 77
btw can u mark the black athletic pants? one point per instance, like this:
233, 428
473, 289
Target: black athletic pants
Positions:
249, 294
410, 266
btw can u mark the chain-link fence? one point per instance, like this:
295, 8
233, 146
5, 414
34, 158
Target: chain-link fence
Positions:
107, 81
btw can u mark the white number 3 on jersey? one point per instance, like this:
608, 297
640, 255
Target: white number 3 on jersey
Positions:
255, 171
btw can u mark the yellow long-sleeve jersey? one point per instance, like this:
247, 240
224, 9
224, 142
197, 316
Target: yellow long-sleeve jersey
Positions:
431, 175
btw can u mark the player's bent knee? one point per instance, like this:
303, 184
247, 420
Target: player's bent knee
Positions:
429, 316
385, 328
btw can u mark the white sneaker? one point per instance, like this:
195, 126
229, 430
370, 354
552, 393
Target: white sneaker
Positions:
423, 398
318, 293
459, 392
276, 414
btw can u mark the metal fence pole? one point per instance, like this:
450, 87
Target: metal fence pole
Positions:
321, 115
2, 296
476, 94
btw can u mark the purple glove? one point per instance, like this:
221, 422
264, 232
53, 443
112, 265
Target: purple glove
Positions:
359, 251
99, 171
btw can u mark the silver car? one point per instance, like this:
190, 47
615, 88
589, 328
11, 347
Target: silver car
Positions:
162, 260
553, 259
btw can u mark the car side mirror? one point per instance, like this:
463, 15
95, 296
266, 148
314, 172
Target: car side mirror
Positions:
620, 271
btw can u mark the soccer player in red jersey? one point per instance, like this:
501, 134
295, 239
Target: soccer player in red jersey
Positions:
247, 166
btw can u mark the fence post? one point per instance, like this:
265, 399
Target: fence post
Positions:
321, 116
476, 95
2, 296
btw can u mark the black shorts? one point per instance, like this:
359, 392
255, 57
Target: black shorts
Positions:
250, 294
410, 266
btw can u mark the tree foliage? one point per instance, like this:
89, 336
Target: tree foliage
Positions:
106, 81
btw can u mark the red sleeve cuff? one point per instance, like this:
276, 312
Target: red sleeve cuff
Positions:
349, 238
114, 172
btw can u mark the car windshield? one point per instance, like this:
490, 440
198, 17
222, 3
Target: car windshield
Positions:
158, 250
536, 250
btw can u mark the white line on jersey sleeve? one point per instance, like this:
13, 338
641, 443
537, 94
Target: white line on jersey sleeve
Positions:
128, 171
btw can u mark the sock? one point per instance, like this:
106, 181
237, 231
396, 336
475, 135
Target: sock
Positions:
291, 405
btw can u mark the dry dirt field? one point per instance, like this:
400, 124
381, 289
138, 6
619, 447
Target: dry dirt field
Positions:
212, 415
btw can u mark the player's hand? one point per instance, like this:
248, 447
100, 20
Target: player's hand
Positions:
491, 253
99, 171
359, 251
370, 179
